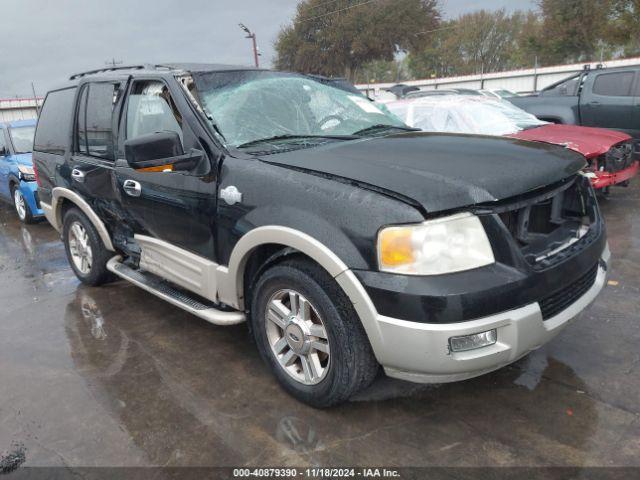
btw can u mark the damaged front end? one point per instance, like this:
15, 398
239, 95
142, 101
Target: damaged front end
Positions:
550, 226
548, 246
616, 167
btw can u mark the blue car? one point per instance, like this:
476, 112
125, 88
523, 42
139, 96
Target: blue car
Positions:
17, 178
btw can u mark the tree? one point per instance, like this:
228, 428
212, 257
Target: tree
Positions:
624, 28
338, 37
384, 71
572, 29
474, 43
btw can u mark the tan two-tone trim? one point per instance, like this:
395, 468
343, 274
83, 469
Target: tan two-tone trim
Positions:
53, 213
231, 279
183, 268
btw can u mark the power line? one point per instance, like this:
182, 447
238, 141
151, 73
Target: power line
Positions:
336, 11
437, 29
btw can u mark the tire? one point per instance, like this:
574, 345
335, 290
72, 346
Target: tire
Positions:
345, 362
604, 193
22, 207
78, 233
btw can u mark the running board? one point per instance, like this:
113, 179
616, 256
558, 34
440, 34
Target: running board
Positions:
158, 287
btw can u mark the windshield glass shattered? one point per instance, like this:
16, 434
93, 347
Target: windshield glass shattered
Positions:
22, 138
463, 114
249, 107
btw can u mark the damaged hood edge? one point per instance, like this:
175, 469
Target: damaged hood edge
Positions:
436, 172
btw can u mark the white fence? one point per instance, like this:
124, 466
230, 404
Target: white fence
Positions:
12, 109
520, 81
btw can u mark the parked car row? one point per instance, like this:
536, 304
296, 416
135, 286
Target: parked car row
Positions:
602, 97
610, 155
347, 239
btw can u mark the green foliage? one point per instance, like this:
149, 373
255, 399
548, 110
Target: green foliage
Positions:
479, 42
624, 26
572, 29
382, 71
361, 39
338, 37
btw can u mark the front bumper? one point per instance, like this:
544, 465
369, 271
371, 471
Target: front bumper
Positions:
607, 179
30, 193
419, 352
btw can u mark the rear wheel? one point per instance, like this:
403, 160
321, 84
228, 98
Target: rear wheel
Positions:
310, 336
86, 253
22, 207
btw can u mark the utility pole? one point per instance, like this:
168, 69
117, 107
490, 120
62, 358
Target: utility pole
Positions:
35, 98
113, 62
252, 36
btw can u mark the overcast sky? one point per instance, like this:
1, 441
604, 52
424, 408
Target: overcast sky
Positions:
46, 40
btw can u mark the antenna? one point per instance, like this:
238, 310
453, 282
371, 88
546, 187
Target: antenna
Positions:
113, 62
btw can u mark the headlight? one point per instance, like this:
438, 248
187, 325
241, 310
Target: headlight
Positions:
26, 173
444, 245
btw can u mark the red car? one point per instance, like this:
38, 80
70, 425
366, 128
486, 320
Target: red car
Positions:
610, 154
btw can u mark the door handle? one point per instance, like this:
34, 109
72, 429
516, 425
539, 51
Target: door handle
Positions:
78, 175
132, 188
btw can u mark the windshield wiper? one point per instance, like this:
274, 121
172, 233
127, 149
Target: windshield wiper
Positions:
382, 126
296, 137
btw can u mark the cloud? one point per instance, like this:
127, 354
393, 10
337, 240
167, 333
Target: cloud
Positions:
44, 41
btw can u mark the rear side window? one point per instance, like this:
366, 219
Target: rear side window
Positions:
94, 130
614, 84
54, 123
568, 88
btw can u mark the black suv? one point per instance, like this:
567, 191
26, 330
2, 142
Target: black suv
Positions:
345, 238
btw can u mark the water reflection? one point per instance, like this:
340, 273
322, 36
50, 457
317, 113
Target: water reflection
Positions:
189, 393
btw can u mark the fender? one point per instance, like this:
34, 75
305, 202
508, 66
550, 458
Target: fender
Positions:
53, 213
231, 278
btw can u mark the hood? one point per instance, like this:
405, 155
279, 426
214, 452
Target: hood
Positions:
440, 171
23, 159
590, 142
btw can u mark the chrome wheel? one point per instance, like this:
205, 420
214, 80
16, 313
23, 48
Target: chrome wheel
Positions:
21, 206
298, 337
80, 248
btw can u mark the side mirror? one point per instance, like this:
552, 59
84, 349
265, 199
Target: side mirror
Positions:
3, 152
154, 150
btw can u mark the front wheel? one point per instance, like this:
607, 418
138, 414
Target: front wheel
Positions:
309, 334
86, 253
22, 207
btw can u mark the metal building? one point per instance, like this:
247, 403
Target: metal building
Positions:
19, 108
519, 81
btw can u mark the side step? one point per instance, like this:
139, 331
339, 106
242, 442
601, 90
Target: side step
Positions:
155, 285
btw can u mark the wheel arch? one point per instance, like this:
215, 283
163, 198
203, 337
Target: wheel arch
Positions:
62, 199
278, 241
231, 289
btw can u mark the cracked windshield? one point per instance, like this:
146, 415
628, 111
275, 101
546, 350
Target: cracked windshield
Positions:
251, 107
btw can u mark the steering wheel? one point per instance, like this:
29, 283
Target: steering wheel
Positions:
328, 118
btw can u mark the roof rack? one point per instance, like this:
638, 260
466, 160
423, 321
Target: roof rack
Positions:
110, 69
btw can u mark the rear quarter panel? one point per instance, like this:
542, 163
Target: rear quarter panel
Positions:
558, 109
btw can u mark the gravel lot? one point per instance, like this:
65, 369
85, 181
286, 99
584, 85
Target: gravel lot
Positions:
113, 376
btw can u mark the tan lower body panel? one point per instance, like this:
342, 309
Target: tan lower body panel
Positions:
183, 268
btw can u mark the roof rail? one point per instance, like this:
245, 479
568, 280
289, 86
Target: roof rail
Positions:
109, 69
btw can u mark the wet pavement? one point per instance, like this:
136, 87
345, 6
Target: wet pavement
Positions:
114, 376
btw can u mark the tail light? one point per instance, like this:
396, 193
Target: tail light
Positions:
35, 171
